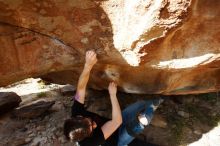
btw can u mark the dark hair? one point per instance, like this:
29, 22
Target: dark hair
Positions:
78, 127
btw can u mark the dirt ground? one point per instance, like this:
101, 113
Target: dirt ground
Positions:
192, 120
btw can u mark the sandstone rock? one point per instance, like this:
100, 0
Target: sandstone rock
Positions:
57, 106
159, 121
185, 99
36, 141
62, 139
53, 129
27, 140
155, 47
34, 110
39, 128
18, 141
8, 101
183, 114
198, 132
68, 90
29, 132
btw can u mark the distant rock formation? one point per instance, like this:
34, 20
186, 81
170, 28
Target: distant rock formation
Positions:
153, 46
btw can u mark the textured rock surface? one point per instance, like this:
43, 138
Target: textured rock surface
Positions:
34, 110
8, 101
156, 47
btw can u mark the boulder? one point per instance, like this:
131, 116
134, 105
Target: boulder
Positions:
8, 101
168, 47
17, 141
33, 110
159, 121
68, 90
58, 106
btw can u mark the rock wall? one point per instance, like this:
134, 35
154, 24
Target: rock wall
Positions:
152, 46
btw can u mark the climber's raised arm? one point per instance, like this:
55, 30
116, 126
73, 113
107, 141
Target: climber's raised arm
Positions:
90, 60
109, 127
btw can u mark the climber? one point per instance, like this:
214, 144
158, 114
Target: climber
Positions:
90, 129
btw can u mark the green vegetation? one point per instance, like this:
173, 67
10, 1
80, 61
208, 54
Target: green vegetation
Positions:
196, 113
202, 114
206, 115
215, 120
209, 97
177, 123
42, 84
42, 94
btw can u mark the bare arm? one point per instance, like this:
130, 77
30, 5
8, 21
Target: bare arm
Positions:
109, 127
84, 77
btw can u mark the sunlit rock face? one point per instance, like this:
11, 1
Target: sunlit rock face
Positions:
151, 46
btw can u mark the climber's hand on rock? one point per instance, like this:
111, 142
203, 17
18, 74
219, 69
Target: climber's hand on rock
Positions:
112, 88
91, 59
